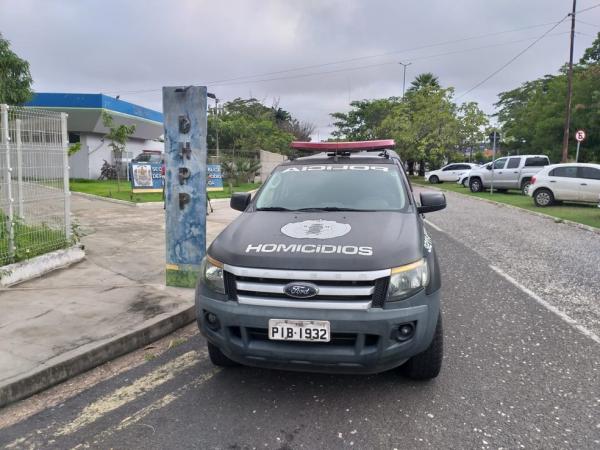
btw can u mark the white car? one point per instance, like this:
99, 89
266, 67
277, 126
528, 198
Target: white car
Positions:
450, 172
576, 182
464, 178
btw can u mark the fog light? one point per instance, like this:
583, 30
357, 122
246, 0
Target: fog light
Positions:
212, 321
404, 332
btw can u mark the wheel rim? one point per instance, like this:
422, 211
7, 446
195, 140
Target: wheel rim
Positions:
543, 198
475, 185
526, 188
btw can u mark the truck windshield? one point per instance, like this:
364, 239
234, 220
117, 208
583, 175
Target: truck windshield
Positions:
334, 187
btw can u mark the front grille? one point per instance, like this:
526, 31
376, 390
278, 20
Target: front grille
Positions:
357, 292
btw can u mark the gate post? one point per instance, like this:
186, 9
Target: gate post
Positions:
19, 167
185, 182
10, 225
65, 160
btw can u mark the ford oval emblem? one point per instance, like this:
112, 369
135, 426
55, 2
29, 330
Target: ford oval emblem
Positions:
301, 290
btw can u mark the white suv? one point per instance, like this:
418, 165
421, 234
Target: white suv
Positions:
576, 182
450, 172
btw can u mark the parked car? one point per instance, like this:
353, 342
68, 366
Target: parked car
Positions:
575, 182
328, 269
463, 179
450, 172
511, 172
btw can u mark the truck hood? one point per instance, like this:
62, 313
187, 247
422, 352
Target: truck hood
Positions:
341, 241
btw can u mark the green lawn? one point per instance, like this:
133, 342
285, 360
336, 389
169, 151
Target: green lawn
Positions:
109, 188
587, 214
29, 241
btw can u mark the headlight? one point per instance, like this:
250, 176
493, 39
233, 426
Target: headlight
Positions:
212, 274
408, 280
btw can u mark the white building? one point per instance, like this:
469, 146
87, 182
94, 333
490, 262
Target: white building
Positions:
85, 125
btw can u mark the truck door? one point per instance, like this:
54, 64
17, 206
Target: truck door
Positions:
499, 173
511, 174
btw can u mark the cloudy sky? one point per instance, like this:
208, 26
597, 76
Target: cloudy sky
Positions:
314, 56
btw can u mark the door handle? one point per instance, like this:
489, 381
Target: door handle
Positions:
516, 171
499, 172
552, 181
583, 184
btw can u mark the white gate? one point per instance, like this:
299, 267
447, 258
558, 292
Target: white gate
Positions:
34, 183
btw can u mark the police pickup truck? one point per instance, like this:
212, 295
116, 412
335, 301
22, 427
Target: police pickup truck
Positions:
329, 268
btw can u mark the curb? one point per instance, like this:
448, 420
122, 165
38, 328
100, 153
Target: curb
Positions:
557, 220
70, 365
104, 199
40, 265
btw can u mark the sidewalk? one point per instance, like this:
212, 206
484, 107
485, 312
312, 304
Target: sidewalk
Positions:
115, 300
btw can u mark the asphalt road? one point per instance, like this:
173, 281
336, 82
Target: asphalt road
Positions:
516, 375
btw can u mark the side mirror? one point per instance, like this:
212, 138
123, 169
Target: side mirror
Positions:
488, 167
430, 202
240, 201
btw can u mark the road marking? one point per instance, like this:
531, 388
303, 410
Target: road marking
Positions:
128, 393
152, 407
432, 225
583, 330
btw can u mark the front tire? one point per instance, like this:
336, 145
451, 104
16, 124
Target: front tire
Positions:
427, 365
543, 197
434, 179
218, 358
475, 185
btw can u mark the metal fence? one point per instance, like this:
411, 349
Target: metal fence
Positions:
34, 183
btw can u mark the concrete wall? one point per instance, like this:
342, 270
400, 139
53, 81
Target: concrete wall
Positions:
94, 150
268, 161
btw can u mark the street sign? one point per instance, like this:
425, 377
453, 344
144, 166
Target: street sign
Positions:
580, 135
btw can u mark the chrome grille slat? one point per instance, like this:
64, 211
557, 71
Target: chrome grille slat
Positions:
323, 290
307, 275
312, 304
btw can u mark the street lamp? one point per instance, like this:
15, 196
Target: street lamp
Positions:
214, 97
404, 65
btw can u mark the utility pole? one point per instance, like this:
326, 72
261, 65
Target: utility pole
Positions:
565, 147
404, 77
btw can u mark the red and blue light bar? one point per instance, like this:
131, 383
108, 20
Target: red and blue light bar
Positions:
355, 146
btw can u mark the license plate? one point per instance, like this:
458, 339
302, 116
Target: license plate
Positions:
299, 330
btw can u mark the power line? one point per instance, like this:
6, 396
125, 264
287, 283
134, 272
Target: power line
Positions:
587, 23
587, 9
343, 61
349, 69
510, 61
361, 67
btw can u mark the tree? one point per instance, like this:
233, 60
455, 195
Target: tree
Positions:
118, 140
424, 80
592, 54
364, 120
472, 123
247, 124
15, 79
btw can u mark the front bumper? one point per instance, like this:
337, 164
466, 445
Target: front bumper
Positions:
362, 341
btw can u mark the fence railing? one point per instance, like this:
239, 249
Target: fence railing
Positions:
34, 183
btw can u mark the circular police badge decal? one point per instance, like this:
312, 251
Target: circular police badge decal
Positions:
315, 229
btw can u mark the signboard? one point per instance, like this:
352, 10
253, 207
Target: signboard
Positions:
580, 135
214, 179
146, 177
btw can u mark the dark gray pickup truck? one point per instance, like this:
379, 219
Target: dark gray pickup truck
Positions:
328, 269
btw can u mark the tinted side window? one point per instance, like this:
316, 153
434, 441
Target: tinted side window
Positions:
499, 164
450, 167
464, 167
590, 173
565, 172
537, 161
513, 163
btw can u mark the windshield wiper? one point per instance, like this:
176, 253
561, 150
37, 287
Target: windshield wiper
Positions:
274, 208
